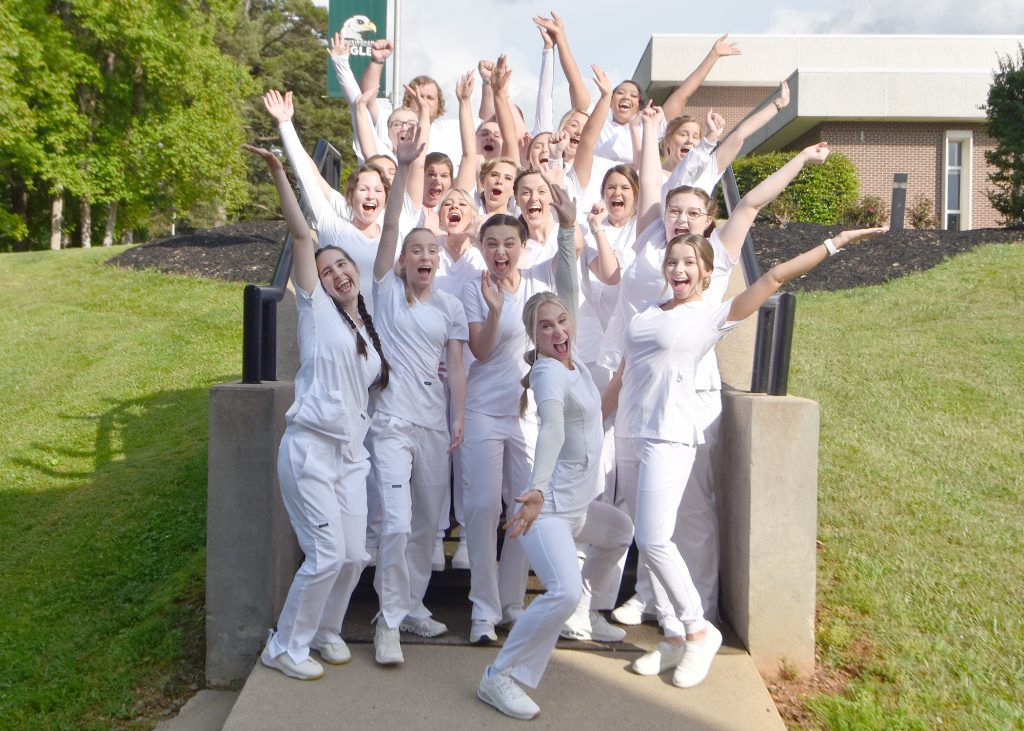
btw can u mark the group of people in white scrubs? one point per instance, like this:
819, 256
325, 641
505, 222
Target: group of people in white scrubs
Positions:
518, 323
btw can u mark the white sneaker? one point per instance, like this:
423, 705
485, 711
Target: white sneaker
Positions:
387, 647
630, 612
335, 653
372, 550
591, 627
481, 632
660, 659
437, 558
426, 627
697, 660
308, 669
502, 692
461, 558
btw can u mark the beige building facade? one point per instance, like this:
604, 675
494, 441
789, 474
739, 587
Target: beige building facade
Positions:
892, 104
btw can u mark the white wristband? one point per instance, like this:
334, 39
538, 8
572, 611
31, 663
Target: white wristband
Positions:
832, 250
597, 230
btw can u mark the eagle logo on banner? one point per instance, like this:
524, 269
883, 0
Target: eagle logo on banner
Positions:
354, 31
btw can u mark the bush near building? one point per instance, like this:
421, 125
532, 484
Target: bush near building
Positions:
819, 194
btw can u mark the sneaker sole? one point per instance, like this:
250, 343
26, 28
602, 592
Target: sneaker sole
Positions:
331, 661
284, 672
419, 632
580, 637
521, 716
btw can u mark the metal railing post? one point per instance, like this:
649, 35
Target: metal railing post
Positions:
252, 312
782, 344
762, 349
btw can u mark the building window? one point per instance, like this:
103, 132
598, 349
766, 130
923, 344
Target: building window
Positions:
956, 180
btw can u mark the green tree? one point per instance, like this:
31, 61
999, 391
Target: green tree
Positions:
1005, 112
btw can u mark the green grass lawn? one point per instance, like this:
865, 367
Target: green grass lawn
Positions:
921, 572
103, 389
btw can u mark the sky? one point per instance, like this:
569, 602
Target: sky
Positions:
445, 39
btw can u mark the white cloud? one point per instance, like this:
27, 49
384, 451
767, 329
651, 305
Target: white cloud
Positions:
995, 17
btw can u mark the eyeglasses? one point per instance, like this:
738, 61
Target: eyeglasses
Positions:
399, 124
690, 213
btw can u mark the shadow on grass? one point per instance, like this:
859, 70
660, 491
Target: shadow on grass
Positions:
103, 569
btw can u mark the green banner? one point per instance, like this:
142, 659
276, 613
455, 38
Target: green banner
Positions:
362, 22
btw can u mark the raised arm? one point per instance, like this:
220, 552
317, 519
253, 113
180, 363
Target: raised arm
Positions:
503, 110
414, 187
379, 51
731, 145
363, 123
734, 231
470, 163
747, 302
483, 336
564, 262
583, 163
543, 117
303, 262
673, 106
650, 168
407, 151
340, 48
579, 97
606, 266
486, 68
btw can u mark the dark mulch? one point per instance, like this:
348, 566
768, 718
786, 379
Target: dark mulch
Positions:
242, 252
875, 261
247, 252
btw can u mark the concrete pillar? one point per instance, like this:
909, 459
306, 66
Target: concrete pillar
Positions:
251, 551
766, 467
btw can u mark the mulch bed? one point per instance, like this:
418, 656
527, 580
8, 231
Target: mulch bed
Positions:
247, 252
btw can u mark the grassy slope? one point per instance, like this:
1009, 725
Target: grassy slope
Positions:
921, 386
102, 480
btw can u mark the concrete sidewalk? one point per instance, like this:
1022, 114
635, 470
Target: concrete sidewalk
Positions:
436, 689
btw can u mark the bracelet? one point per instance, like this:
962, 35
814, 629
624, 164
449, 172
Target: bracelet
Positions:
486, 82
597, 230
778, 105
832, 250
373, 60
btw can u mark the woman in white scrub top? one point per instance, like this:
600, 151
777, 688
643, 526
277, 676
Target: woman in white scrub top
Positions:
322, 465
656, 394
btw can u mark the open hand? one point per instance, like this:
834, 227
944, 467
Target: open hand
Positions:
519, 524
280, 107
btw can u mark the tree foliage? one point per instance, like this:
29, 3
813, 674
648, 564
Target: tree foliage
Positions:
144, 103
1005, 112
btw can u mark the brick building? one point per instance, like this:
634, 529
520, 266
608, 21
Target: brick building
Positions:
892, 104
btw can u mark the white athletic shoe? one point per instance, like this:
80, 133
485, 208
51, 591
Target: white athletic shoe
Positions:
664, 657
631, 612
481, 632
426, 627
591, 627
387, 647
461, 558
437, 558
697, 660
335, 653
502, 692
308, 669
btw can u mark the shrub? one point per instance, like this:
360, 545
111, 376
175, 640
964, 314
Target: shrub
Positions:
871, 211
920, 215
819, 194
1006, 124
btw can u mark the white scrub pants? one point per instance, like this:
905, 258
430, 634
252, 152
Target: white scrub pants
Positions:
495, 446
602, 376
455, 495
550, 546
696, 532
659, 491
325, 496
411, 472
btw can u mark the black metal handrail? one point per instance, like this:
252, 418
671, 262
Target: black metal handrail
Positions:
773, 342
259, 303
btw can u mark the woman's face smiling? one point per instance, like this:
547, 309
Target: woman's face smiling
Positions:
539, 150
619, 199
685, 213
488, 140
625, 102
684, 273
533, 196
684, 139
553, 336
338, 276
456, 214
497, 185
368, 199
501, 248
402, 126
420, 259
437, 179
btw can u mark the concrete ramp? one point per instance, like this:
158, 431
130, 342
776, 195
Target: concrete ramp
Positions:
436, 689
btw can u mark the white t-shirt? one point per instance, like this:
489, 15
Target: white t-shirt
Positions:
599, 299
642, 283
492, 385
415, 338
663, 349
616, 141
333, 380
577, 477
